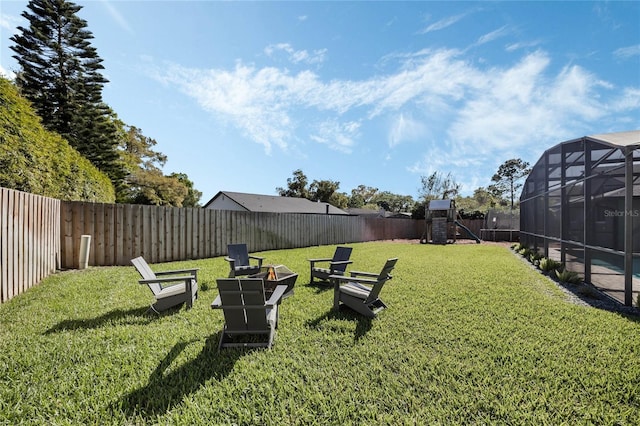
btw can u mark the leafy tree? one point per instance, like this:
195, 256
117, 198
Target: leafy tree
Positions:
153, 188
498, 195
436, 186
138, 159
482, 200
483, 197
507, 178
136, 149
192, 199
470, 214
339, 199
296, 186
326, 191
323, 190
145, 182
60, 74
394, 202
361, 196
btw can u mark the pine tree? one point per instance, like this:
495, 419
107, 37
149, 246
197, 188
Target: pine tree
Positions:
60, 75
507, 178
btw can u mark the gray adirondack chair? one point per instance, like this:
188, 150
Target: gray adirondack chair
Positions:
170, 288
250, 320
336, 265
239, 261
361, 290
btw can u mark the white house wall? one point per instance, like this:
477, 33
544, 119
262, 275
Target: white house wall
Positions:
225, 203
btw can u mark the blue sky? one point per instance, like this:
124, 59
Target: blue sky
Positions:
238, 95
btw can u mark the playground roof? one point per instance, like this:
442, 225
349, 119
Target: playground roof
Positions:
440, 204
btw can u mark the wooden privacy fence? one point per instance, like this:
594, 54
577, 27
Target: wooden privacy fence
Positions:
29, 240
120, 232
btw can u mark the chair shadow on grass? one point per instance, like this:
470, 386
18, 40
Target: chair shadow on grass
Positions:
165, 391
319, 288
363, 324
135, 316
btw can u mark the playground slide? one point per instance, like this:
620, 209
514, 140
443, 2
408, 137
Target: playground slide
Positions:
471, 234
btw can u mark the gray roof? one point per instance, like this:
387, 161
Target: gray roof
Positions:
440, 204
277, 204
365, 212
620, 138
380, 213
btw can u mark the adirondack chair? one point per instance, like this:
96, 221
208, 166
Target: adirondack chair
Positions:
361, 290
239, 261
170, 288
337, 265
247, 314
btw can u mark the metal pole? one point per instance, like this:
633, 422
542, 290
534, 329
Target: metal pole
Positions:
587, 218
628, 226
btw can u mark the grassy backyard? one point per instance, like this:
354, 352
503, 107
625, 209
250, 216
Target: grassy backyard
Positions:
473, 335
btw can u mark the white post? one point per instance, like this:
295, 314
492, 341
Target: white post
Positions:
85, 243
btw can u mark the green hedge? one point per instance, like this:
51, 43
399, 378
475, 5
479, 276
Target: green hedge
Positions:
41, 162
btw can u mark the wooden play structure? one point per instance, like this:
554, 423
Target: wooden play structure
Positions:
441, 220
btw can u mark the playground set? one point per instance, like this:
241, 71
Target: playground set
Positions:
441, 220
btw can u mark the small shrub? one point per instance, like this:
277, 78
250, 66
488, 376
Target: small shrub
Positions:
549, 265
534, 257
569, 277
524, 252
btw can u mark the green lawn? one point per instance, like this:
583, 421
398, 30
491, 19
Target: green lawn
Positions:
473, 335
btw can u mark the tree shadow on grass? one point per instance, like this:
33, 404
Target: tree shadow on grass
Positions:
136, 316
363, 324
165, 391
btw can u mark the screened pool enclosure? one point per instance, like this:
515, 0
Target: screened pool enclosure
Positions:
581, 205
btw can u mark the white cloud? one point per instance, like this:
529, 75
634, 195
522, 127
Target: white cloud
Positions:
444, 160
628, 100
10, 22
253, 100
627, 52
524, 102
117, 16
405, 128
512, 47
443, 23
493, 35
297, 56
480, 112
336, 135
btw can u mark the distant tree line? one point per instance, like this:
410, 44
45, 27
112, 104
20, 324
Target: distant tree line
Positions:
361, 197
499, 194
61, 75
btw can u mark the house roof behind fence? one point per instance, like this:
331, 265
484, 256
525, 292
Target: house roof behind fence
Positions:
276, 204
